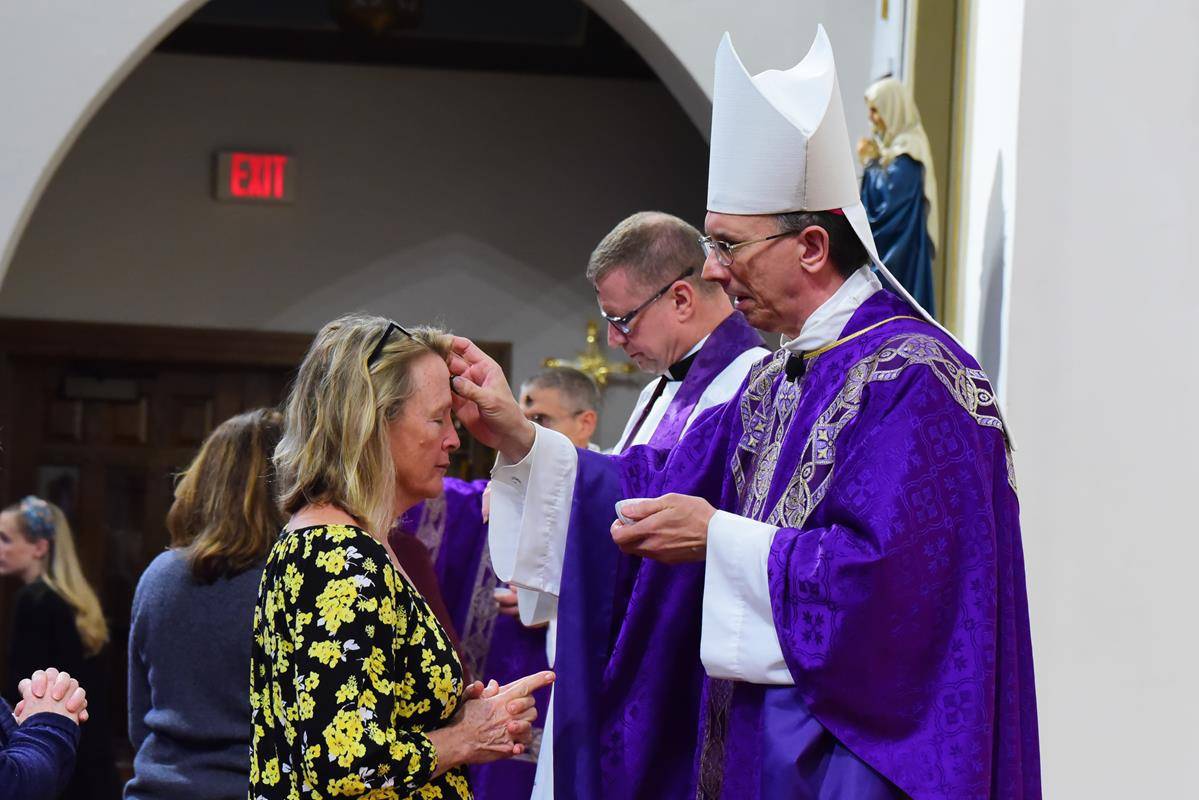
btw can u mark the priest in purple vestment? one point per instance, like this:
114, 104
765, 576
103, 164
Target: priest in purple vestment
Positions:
453, 528
853, 510
645, 272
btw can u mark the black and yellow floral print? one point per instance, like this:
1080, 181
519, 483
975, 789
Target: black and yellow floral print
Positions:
349, 668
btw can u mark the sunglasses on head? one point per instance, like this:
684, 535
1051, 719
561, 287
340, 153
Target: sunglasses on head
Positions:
378, 351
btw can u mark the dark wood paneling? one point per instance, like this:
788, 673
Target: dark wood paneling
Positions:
142, 343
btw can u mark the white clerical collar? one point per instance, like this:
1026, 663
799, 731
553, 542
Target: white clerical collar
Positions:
827, 321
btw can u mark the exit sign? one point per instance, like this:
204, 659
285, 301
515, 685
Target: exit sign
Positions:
243, 177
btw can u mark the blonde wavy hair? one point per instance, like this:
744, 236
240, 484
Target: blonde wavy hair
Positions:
335, 448
64, 575
224, 516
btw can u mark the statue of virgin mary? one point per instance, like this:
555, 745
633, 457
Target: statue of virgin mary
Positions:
899, 188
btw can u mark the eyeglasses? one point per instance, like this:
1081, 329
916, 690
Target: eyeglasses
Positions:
547, 421
724, 251
624, 323
378, 351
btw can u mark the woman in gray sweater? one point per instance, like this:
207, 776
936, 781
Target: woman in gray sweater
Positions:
189, 641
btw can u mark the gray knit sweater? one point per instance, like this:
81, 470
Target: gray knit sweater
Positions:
189, 683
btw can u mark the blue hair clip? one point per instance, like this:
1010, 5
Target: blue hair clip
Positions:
39, 517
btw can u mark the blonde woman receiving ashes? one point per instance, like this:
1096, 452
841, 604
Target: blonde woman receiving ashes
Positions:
354, 687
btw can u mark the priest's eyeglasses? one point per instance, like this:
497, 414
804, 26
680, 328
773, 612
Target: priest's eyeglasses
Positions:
724, 251
624, 323
378, 351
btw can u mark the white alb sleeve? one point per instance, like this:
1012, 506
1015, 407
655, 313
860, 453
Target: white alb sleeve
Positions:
738, 640
530, 515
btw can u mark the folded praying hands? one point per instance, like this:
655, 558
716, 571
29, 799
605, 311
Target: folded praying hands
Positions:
495, 722
51, 691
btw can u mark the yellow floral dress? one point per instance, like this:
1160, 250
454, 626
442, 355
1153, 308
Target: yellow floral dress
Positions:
348, 668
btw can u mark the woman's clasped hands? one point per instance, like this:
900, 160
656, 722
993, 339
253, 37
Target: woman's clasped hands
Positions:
494, 722
49, 690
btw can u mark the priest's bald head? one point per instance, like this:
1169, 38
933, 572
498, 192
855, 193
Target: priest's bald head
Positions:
646, 274
785, 225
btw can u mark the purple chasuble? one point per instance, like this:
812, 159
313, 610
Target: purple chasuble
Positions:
629, 679
896, 578
494, 646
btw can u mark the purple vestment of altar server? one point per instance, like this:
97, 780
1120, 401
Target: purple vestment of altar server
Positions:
493, 645
896, 581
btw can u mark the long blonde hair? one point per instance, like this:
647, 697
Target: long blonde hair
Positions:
63, 574
224, 515
335, 448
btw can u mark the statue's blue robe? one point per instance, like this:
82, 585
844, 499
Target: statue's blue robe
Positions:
898, 212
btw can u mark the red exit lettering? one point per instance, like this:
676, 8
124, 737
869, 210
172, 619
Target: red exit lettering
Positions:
256, 175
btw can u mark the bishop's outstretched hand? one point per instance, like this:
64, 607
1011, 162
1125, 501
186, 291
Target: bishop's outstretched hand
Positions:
484, 403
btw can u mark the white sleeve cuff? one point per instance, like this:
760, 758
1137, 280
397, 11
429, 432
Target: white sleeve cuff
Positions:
738, 640
535, 607
530, 515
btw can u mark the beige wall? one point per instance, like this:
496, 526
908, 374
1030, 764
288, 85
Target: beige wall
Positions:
59, 61
679, 40
466, 198
1104, 309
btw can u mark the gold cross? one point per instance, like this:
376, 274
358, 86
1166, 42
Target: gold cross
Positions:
592, 360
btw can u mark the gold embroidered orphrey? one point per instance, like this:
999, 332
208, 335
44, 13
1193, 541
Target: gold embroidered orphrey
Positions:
768, 422
764, 431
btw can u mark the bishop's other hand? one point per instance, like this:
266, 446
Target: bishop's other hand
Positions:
672, 528
484, 403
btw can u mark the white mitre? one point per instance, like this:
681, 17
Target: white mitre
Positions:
779, 139
780, 144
